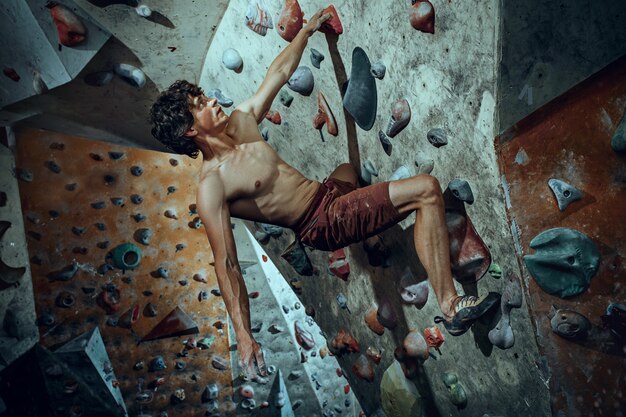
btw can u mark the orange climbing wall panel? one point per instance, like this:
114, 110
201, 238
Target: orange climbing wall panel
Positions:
52, 241
569, 139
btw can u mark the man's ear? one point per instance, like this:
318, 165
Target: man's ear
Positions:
191, 132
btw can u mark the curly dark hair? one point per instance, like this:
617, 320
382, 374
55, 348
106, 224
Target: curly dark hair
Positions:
171, 118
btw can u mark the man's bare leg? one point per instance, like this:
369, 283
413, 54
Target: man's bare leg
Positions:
422, 194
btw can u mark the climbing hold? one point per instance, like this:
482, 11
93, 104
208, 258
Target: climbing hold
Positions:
570, 324
273, 116
615, 319
131, 74
101, 226
415, 345
136, 199
205, 342
109, 179
297, 258
272, 230
53, 166
422, 16
433, 337
99, 79
116, 155
385, 142
363, 368
332, 25
398, 395
103, 245
173, 161
195, 223
290, 20
127, 319
495, 271
401, 173
171, 189
416, 294
219, 363
565, 194
368, 169
178, 396
338, 265
400, 117
70, 187
180, 246
316, 58
161, 272
361, 98
104, 268
265, 133
126, 256
78, 231
342, 301
117, 201
374, 354
618, 141
461, 190
139, 217
143, 236
456, 391
65, 299
437, 137
285, 98
46, 319
64, 274
302, 81
222, 100
258, 17
423, 163
71, 30
232, 60
303, 336
564, 262
136, 170
372, 322
11, 73
386, 314
502, 334
157, 364
150, 310
143, 10
378, 70
344, 342
324, 116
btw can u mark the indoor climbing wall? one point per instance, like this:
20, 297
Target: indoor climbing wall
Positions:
564, 173
395, 89
115, 243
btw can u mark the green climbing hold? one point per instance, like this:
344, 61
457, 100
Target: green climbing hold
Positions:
126, 256
449, 379
398, 395
618, 141
564, 262
495, 271
455, 390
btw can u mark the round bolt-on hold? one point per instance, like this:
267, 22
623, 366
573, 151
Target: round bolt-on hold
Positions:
126, 256
231, 59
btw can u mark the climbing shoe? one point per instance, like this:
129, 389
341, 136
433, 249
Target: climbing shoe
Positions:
468, 309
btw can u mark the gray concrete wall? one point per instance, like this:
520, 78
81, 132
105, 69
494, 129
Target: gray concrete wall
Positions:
449, 79
550, 46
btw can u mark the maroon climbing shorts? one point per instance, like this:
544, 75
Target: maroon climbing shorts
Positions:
342, 214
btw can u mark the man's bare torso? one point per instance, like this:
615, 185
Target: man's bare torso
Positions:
258, 184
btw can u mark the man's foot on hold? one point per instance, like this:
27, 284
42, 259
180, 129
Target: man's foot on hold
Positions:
376, 251
468, 309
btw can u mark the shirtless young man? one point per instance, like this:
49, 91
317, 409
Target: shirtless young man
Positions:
325, 216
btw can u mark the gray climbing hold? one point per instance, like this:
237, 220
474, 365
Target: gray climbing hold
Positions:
437, 137
401, 173
24, 174
136, 199
117, 201
78, 231
139, 217
171, 189
157, 364
367, 171
53, 166
400, 117
423, 163
565, 194
461, 190
361, 97
222, 100
285, 98
64, 274
101, 226
265, 133
502, 335
618, 141
272, 230
302, 81
98, 205
385, 142
136, 170
564, 262
143, 236
116, 155
316, 58
569, 324
162, 272
133, 75
378, 70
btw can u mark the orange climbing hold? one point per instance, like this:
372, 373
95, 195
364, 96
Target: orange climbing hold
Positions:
324, 116
71, 29
332, 25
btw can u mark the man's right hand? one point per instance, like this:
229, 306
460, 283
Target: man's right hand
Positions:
251, 358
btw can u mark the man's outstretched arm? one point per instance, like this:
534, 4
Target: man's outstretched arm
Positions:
213, 210
281, 70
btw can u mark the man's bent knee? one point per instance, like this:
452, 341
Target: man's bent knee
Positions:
427, 189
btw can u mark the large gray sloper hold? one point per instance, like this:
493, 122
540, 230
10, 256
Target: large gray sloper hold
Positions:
231, 59
361, 98
564, 262
461, 190
302, 81
565, 194
222, 100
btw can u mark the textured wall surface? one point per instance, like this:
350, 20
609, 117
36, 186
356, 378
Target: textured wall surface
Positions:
53, 244
449, 79
569, 139
550, 46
